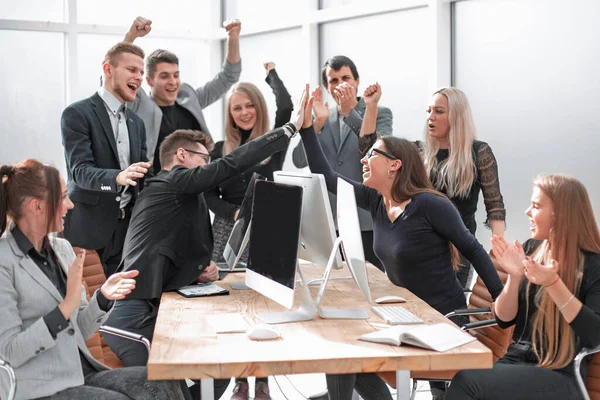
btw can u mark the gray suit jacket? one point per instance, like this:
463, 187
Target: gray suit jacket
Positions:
343, 154
43, 365
193, 100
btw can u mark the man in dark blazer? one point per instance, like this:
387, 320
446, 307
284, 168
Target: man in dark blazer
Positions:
105, 153
338, 128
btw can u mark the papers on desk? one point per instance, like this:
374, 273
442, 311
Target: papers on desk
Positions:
228, 323
438, 337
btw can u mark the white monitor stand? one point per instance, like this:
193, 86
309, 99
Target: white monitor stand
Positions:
241, 285
305, 312
337, 313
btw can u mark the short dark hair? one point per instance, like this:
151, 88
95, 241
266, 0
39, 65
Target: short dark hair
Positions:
336, 63
182, 138
112, 55
159, 56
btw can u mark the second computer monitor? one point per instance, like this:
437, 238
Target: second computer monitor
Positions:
317, 231
349, 230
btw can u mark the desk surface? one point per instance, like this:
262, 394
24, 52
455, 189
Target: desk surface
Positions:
185, 345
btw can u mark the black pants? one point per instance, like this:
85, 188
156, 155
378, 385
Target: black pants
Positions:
139, 316
513, 377
111, 254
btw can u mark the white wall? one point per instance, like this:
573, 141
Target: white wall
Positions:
530, 69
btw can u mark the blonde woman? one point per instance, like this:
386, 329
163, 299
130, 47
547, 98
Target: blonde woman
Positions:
460, 166
247, 118
552, 296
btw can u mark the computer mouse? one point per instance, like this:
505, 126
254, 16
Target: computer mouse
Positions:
390, 299
263, 332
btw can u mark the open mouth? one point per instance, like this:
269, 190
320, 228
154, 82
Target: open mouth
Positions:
431, 126
174, 90
134, 87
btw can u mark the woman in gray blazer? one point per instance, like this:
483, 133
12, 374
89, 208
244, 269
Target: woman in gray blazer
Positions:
45, 316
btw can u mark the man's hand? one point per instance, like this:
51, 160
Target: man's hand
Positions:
372, 94
345, 96
134, 171
269, 65
119, 285
139, 28
236, 215
210, 274
320, 109
74, 290
233, 28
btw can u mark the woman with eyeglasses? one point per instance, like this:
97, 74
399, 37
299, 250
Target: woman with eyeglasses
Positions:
460, 166
551, 297
417, 230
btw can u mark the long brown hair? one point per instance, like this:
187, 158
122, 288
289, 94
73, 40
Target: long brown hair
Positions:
233, 136
28, 179
456, 174
412, 179
574, 232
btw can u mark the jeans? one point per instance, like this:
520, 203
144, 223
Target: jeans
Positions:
121, 384
513, 377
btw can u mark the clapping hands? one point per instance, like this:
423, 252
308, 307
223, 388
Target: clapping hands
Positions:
509, 256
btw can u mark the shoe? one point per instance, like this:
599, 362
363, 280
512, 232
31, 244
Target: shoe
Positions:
437, 394
240, 391
261, 391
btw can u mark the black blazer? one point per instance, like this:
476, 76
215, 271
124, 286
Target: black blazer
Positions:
92, 168
169, 239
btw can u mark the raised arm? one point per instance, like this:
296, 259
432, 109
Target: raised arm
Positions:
283, 100
487, 175
368, 128
445, 219
233, 29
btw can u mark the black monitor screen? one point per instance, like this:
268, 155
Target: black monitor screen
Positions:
275, 231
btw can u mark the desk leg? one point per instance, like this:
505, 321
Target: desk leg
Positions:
207, 389
402, 385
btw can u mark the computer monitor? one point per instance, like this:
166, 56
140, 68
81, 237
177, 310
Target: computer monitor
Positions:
317, 230
238, 239
274, 238
351, 244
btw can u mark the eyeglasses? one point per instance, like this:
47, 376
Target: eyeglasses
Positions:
206, 156
383, 153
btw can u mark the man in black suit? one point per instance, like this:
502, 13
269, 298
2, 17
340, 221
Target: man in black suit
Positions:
106, 157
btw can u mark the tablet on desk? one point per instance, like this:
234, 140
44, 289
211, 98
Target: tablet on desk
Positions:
202, 290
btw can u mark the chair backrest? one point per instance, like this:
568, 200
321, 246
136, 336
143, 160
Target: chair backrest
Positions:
592, 381
495, 338
93, 278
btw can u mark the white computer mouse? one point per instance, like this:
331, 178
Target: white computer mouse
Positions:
390, 299
263, 332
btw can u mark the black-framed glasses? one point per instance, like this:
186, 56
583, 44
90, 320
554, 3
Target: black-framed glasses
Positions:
383, 153
206, 156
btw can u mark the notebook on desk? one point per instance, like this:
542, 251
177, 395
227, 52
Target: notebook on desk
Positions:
439, 337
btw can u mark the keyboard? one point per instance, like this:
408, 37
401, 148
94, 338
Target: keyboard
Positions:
396, 315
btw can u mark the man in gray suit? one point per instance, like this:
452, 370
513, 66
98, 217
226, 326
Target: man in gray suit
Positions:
173, 105
339, 131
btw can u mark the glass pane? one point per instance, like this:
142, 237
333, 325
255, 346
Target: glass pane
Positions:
339, 3
31, 107
401, 67
33, 10
253, 13
281, 48
533, 85
178, 15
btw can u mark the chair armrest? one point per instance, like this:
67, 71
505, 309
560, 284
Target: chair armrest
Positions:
126, 335
577, 366
479, 324
11, 377
469, 311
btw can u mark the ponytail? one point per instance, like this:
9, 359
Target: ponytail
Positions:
6, 171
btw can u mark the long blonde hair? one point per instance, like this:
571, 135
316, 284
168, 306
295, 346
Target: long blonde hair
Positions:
574, 232
455, 175
233, 136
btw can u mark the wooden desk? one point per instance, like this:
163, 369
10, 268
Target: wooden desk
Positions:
185, 345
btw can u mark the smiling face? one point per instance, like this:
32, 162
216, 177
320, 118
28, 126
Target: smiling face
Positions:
243, 111
125, 77
438, 122
337, 77
541, 215
376, 166
165, 83
64, 206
